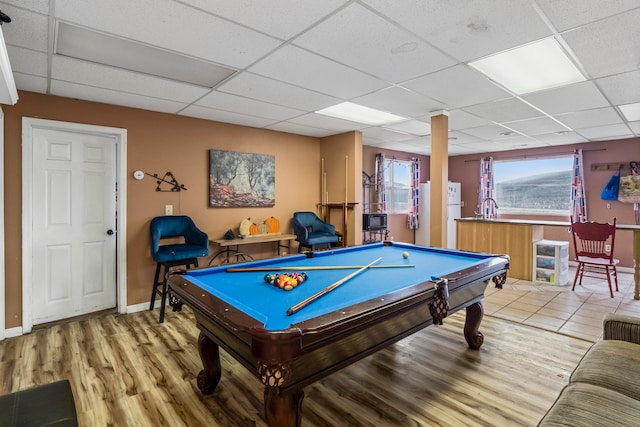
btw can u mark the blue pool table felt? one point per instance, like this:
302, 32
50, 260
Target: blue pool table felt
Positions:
248, 292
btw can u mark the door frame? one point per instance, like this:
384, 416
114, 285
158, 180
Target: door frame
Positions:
3, 301
28, 126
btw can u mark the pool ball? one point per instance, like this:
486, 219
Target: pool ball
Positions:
405, 254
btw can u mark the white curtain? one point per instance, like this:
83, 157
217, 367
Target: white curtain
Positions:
578, 201
487, 188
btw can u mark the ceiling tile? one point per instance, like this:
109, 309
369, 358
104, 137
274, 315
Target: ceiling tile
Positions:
28, 61
300, 129
275, 92
201, 35
605, 132
575, 97
412, 127
622, 88
30, 83
282, 19
463, 138
536, 126
505, 110
479, 146
225, 116
40, 6
238, 104
459, 119
574, 13
588, 118
610, 46
635, 126
305, 69
26, 29
468, 29
363, 40
400, 101
408, 148
457, 87
459, 150
380, 134
490, 133
555, 139
89, 93
517, 143
90, 74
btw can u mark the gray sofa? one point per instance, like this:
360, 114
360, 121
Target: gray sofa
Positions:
604, 389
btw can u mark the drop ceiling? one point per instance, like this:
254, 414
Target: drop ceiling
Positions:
272, 64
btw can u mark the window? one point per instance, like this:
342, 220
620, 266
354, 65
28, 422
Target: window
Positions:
397, 175
539, 186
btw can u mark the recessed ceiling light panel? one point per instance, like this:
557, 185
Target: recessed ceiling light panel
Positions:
360, 114
88, 45
530, 68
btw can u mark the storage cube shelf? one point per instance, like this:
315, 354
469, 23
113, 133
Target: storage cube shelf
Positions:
551, 262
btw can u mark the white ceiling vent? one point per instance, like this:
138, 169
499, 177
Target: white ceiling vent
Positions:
93, 46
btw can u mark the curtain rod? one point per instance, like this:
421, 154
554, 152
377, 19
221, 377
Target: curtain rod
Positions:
536, 156
410, 159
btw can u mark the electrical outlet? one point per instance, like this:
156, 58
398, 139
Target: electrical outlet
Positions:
608, 205
168, 209
607, 248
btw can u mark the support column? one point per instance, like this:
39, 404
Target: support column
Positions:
439, 177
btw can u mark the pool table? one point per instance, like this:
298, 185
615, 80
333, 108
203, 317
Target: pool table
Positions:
246, 316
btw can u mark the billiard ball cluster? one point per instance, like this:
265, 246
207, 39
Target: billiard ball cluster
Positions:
286, 281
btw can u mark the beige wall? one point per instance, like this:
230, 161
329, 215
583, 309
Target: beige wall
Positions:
158, 143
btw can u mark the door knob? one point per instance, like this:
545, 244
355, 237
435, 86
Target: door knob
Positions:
109, 232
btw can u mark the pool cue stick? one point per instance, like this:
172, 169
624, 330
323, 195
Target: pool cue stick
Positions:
302, 304
312, 267
346, 201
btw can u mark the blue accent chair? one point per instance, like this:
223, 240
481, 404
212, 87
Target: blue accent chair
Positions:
311, 232
188, 243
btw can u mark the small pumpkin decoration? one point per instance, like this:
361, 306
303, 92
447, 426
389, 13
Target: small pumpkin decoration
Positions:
244, 226
253, 229
273, 225
263, 228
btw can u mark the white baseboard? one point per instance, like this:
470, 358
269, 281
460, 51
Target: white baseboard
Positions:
13, 332
17, 331
139, 307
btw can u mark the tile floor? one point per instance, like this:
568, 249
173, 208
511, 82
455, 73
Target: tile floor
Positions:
576, 313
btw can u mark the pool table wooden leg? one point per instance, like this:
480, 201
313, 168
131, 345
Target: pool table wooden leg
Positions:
209, 377
283, 411
472, 325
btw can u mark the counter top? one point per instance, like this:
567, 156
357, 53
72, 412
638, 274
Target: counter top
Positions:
518, 221
539, 222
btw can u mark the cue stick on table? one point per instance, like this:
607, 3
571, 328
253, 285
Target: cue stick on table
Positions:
302, 304
312, 267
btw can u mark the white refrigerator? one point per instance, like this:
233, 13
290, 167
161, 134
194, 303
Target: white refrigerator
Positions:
422, 236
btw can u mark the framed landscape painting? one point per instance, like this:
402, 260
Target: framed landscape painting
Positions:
241, 179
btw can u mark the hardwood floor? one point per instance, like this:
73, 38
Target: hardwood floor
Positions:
129, 370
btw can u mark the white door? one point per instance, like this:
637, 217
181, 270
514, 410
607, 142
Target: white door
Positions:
73, 265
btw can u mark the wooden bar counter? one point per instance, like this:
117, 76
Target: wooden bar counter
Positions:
495, 236
515, 238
